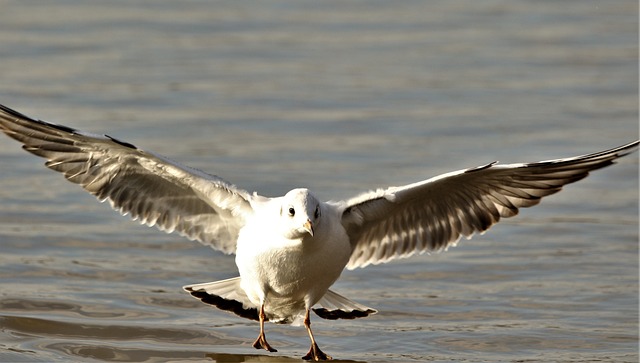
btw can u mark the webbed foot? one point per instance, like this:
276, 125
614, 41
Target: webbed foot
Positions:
315, 354
261, 343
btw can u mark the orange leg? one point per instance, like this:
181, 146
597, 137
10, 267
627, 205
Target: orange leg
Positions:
314, 353
261, 342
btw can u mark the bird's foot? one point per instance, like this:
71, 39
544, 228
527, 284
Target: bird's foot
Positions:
261, 343
315, 354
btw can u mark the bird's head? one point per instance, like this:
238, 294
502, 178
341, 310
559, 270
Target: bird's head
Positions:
301, 212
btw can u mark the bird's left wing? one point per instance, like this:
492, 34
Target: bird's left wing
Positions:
147, 187
433, 214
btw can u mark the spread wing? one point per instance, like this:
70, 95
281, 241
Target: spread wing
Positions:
149, 188
433, 214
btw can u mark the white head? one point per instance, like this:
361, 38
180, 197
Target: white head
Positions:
301, 212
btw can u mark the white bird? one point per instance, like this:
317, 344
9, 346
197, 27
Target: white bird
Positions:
291, 249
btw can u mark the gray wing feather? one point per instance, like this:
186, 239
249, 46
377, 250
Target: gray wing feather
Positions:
150, 188
433, 214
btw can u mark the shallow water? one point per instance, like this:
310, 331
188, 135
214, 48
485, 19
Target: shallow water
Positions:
340, 97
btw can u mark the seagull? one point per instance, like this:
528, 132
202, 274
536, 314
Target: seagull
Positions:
290, 249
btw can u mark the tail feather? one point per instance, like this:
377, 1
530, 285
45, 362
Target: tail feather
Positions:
228, 295
335, 306
225, 295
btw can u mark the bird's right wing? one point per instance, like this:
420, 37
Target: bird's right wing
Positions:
148, 187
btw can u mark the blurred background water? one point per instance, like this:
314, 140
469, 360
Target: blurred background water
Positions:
340, 97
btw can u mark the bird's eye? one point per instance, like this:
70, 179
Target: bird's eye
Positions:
317, 213
292, 212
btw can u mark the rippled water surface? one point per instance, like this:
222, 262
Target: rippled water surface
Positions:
340, 97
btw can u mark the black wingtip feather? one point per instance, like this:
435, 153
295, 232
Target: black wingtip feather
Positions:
13, 112
123, 143
481, 167
341, 314
19, 115
224, 304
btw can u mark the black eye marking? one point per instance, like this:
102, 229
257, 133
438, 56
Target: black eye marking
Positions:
292, 212
317, 213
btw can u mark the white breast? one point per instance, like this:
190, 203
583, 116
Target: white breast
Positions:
289, 275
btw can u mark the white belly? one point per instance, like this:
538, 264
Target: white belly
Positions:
289, 276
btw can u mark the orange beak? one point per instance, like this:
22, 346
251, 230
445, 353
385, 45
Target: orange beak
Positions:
308, 226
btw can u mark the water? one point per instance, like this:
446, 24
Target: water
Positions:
340, 97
